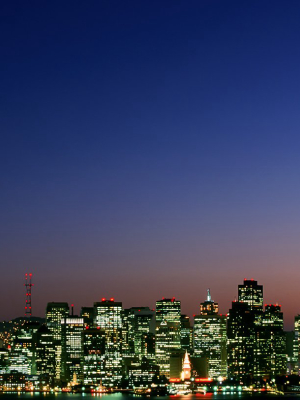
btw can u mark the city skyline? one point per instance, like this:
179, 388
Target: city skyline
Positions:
207, 297
149, 149
148, 351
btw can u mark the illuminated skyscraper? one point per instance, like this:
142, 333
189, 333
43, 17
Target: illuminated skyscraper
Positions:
45, 352
296, 345
108, 316
22, 352
140, 327
185, 333
93, 342
71, 334
209, 307
55, 312
240, 342
209, 338
168, 310
274, 358
168, 332
252, 294
87, 313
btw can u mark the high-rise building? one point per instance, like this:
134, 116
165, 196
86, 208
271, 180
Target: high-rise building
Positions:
274, 346
209, 307
93, 342
45, 353
22, 351
168, 332
296, 345
87, 313
252, 294
108, 316
240, 342
140, 327
185, 332
71, 336
55, 312
209, 338
168, 310
256, 340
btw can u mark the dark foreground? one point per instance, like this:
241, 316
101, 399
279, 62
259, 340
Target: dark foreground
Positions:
120, 396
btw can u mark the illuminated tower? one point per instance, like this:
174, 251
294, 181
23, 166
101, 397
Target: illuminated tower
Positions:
272, 356
209, 337
209, 307
240, 342
252, 294
22, 350
71, 334
28, 285
185, 333
167, 335
44, 352
108, 316
93, 344
138, 326
54, 314
186, 368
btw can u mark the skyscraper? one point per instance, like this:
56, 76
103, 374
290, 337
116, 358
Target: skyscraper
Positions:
296, 344
275, 343
168, 332
240, 342
93, 356
185, 332
140, 326
71, 335
209, 337
45, 352
55, 312
252, 294
108, 316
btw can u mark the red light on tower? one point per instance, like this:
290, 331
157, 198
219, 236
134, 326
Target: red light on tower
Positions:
28, 286
112, 299
103, 299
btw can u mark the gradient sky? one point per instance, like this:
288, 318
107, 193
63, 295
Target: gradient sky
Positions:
149, 149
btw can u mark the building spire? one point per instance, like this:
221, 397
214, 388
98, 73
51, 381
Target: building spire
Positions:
208, 295
186, 368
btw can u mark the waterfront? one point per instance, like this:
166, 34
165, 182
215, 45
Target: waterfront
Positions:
121, 396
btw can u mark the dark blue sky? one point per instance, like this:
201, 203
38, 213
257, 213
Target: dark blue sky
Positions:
149, 149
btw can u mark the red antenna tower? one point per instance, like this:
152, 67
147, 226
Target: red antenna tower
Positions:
28, 285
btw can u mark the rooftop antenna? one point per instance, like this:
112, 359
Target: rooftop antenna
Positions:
208, 295
28, 285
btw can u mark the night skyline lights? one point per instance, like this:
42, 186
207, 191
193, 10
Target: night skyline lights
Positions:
107, 347
150, 149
